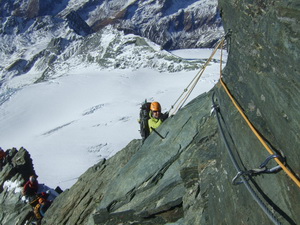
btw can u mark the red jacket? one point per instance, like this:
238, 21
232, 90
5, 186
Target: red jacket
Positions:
2, 154
34, 186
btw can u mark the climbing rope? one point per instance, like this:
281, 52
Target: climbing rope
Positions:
259, 137
188, 90
241, 173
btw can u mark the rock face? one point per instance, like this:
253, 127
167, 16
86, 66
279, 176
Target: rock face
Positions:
172, 24
263, 75
13, 175
262, 69
78, 24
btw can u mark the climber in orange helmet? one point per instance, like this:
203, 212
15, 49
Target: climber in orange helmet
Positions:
156, 117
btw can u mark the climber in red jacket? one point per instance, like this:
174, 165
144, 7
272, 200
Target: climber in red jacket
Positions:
31, 187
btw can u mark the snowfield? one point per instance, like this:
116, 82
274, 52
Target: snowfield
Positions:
71, 122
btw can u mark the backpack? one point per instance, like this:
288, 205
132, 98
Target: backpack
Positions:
45, 207
144, 117
36, 212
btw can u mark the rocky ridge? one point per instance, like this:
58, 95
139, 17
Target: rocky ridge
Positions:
13, 175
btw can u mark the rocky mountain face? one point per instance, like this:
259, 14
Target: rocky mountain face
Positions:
186, 177
172, 24
14, 173
49, 37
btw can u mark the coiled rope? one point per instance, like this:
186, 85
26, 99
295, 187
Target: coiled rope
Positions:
260, 138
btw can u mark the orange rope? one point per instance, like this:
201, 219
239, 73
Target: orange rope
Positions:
287, 171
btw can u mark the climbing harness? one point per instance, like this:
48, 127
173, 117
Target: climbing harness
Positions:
188, 90
241, 174
259, 137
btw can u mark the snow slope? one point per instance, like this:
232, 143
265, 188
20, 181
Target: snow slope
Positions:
71, 122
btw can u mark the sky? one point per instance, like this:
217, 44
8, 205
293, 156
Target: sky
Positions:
70, 123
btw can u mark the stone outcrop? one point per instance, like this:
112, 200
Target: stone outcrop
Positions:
78, 24
263, 75
263, 69
14, 174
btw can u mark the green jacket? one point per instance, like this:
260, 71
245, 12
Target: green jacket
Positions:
153, 122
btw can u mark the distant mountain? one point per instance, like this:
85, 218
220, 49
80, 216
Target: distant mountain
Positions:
48, 37
171, 23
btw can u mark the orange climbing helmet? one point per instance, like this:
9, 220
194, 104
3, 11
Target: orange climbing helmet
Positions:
155, 106
41, 200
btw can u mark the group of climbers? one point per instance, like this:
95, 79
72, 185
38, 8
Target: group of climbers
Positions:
39, 196
41, 206
39, 201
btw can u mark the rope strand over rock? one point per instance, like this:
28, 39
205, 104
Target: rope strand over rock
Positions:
256, 133
188, 90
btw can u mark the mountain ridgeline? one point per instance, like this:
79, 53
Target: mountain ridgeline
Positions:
48, 37
186, 177
173, 19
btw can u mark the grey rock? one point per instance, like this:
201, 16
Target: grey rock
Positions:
14, 174
78, 24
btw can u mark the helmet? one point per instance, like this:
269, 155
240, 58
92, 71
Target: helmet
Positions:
155, 106
32, 179
41, 200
